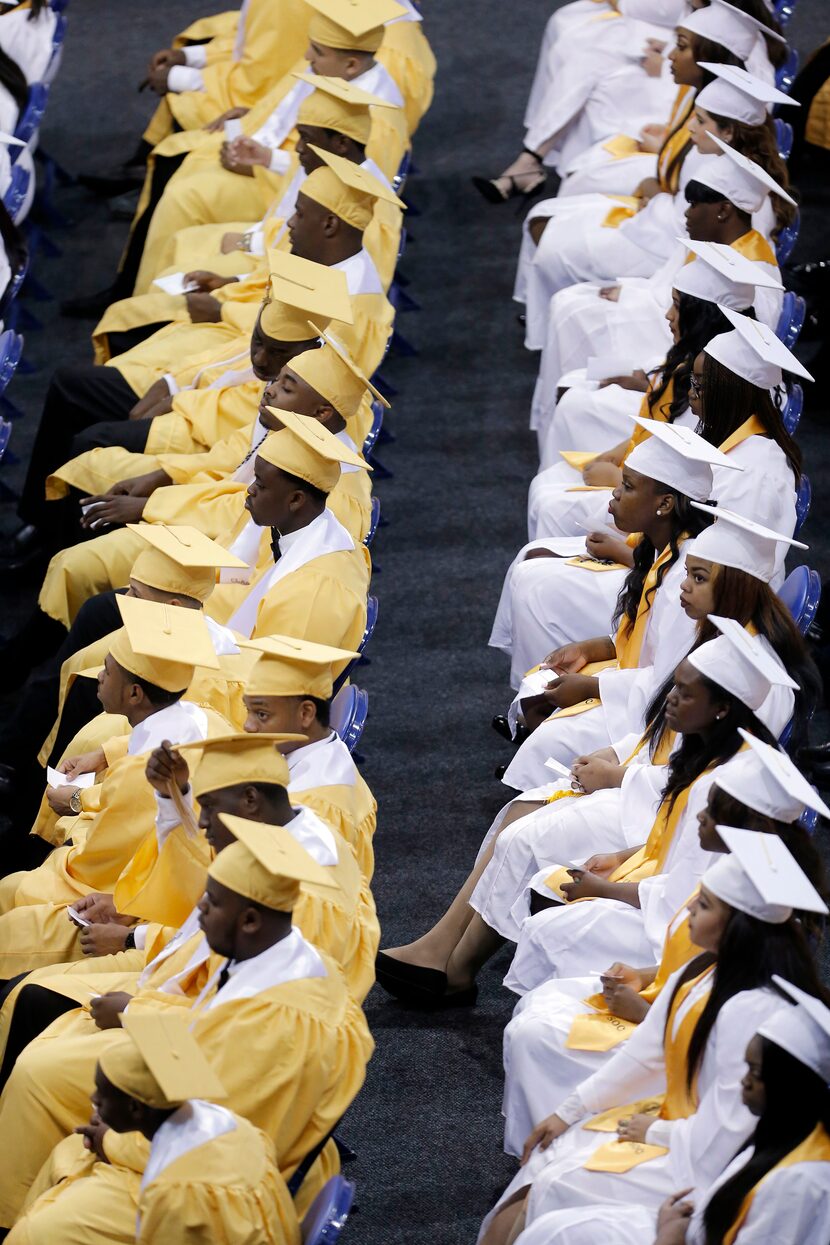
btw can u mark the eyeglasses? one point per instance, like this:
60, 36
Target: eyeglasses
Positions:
695, 386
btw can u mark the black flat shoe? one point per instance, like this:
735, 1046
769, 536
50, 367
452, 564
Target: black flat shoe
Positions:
424, 987
24, 550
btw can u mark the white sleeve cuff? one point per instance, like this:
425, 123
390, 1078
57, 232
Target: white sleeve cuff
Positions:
140, 937
195, 57
167, 816
659, 1134
280, 161
182, 78
171, 383
256, 241
572, 1109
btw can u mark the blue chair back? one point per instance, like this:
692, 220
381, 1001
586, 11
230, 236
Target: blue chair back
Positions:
787, 238
5, 433
326, 1216
803, 498
374, 432
29, 123
783, 137
791, 320
791, 413
11, 348
17, 190
809, 820
399, 180
348, 713
801, 593
783, 10
373, 523
786, 75
368, 632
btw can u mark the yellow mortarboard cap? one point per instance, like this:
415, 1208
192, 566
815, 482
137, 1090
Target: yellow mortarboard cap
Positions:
358, 179
162, 643
292, 667
334, 375
296, 289
240, 757
351, 25
304, 448
340, 88
181, 559
266, 864
158, 1061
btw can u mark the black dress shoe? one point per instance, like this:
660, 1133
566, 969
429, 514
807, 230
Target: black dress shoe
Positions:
90, 307
23, 550
501, 726
423, 987
117, 182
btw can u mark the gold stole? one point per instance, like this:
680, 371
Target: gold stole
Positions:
676, 139
751, 427
813, 1149
754, 246
650, 859
679, 1102
601, 1030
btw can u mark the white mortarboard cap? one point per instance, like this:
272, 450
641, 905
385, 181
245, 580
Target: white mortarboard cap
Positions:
738, 179
733, 540
802, 1031
704, 280
761, 877
757, 94
728, 26
766, 780
740, 663
753, 352
731, 265
676, 456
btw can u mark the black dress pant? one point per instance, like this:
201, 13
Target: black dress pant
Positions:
163, 169
35, 1009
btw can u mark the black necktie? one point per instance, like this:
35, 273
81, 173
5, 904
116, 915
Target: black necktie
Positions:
276, 552
223, 977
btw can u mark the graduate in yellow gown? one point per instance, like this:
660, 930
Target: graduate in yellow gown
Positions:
209, 490
149, 664
270, 993
323, 775
231, 71
211, 1175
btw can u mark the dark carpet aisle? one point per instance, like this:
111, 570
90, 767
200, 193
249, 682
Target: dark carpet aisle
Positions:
427, 1125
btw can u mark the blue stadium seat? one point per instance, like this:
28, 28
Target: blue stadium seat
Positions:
787, 238
399, 180
17, 190
791, 413
809, 820
373, 523
5, 433
801, 593
324, 1220
804, 495
374, 432
368, 632
783, 10
786, 75
783, 137
11, 348
349, 710
791, 320
29, 123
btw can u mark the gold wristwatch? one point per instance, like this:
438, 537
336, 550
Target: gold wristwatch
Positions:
75, 802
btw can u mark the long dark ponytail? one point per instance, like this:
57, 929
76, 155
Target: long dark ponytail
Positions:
685, 519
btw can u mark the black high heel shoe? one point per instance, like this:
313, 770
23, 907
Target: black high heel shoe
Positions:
489, 189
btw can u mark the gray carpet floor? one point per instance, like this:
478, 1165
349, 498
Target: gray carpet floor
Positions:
427, 1125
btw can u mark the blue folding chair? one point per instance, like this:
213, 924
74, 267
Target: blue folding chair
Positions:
29, 123
783, 137
786, 75
348, 713
16, 191
11, 348
791, 413
5, 433
809, 820
787, 238
326, 1216
368, 632
791, 320
783, 10
803, 498
801, 593
374, 432
374, 522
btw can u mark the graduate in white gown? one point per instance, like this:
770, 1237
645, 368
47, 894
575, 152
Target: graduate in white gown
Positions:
561, 495
777, 1188
681, 1069
552, 1043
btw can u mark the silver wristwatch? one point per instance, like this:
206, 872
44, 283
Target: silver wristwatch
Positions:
75, 802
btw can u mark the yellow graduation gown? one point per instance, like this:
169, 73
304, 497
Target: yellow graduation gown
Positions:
273, 37
227, 1189
352, 811
407, 55
118, 815
306, 1045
